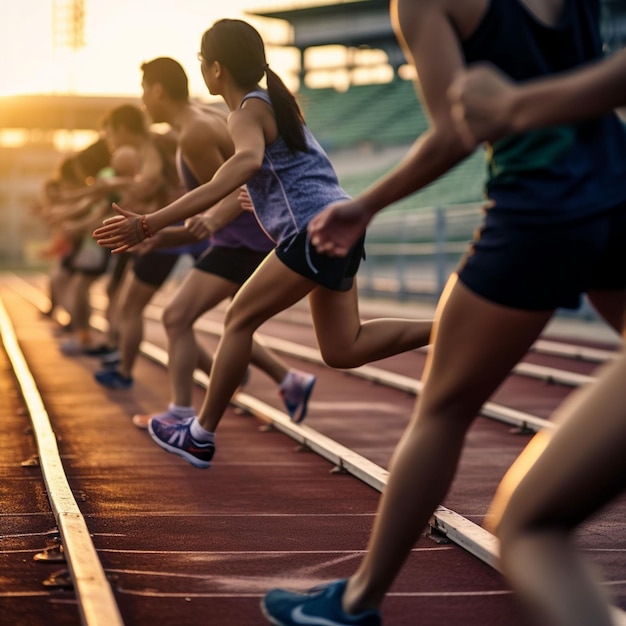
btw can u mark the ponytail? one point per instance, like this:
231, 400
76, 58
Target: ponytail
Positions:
289, 118
239, 47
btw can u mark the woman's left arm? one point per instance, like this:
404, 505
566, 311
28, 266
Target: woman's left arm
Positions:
128, 228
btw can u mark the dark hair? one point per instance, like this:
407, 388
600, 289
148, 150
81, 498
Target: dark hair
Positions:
127, 115
68, 171
170, 74
94, 157
84, 164
239, 48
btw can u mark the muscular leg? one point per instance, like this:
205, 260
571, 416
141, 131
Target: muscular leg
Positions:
199, 292
134, 297
81, 305
346, 342
610, 305
476, 343
267, 361
122, 268
60, 280
581, 469
274, 289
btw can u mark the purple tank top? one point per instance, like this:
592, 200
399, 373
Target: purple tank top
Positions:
242, 232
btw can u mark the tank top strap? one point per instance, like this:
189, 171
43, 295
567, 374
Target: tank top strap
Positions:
257, 93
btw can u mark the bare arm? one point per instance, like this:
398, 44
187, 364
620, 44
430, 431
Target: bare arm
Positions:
247, 159
69, 211
488, 105
149, 180
425, 34
207, 223
196, 228
85, 223
125, 230
96, 190
430, 43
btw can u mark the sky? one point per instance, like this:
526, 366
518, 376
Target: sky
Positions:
119, 36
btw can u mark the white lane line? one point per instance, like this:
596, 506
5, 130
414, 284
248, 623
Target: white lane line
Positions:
460, 530
97, 605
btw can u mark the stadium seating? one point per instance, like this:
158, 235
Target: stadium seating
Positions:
377, 117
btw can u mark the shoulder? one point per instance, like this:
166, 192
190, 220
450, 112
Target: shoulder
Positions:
256, 94
254, 104
163, 143
202, 128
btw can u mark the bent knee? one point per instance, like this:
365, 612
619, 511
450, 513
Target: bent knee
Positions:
340, 359
240, 319
176, 318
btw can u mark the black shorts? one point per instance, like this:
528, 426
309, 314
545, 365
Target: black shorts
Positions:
234, 264
87, 259
546, 266
153, 268
336, 273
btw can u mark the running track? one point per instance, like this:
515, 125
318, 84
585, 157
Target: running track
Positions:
183, 546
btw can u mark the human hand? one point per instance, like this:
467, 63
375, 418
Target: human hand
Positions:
199, 226
245, 200
120, 232
147, 245
481, 101
338, 227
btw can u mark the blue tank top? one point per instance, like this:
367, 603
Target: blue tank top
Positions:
561, 172
242, 232
292, 186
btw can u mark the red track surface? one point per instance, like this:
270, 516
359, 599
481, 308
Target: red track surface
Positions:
187, 547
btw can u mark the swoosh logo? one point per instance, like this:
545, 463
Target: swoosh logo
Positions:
299, 617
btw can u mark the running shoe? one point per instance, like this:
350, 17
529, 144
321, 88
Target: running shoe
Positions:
99, 350
295, 391
176, 437
72, 347
112, 379
141, 420
321, 606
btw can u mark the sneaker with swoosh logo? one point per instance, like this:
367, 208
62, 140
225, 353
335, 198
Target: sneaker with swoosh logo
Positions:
321, 606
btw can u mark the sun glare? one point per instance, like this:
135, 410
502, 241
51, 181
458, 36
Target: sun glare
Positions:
118, 34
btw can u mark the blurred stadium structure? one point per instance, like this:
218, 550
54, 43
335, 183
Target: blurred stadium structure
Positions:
365, 119
68, 24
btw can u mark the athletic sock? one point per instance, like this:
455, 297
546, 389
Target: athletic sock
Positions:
200, 434
286, 380
181, 411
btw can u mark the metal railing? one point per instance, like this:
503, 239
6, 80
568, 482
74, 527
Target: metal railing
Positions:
410, 254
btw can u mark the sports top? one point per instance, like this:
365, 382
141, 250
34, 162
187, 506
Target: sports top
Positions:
561, 172
292, 186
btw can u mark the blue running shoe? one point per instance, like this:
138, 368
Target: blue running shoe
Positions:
321, 606
113, 379
295, 391
176, 437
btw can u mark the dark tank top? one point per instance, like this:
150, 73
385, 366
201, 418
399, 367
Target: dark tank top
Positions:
561, 172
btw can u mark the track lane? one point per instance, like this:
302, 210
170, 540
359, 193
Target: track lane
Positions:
394, 421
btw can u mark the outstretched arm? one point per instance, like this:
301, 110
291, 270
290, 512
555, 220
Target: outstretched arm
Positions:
430, 43
127, 229
487, 105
